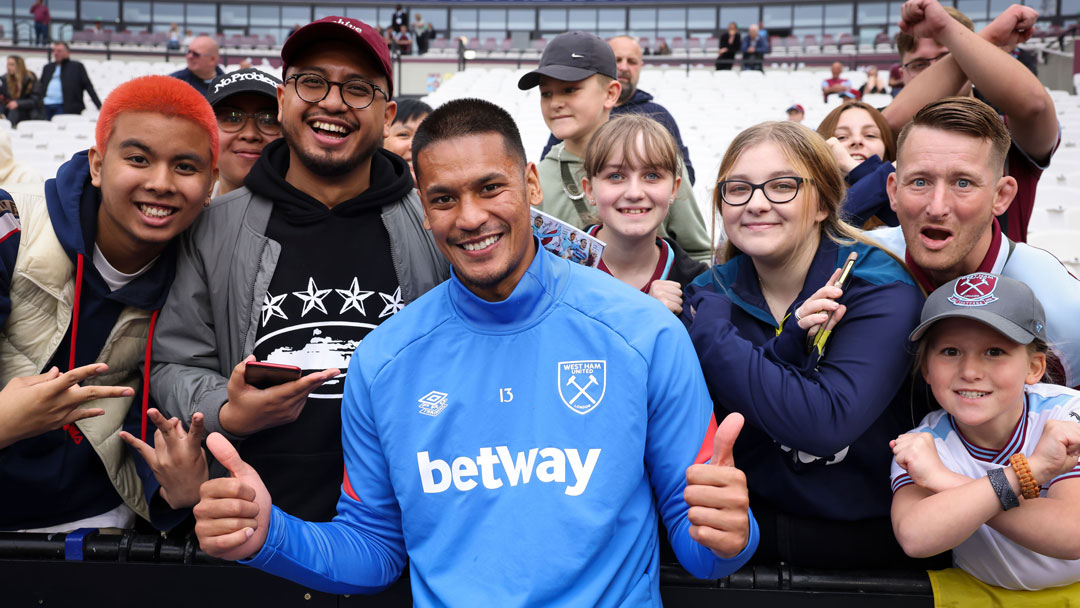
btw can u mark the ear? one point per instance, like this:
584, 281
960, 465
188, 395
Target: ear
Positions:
280, 100
676, 186
532, 185
97, 160
612, 94
210, 190
1036, 368
890, 189
388, 116
1003, 196
586, 186
427, 222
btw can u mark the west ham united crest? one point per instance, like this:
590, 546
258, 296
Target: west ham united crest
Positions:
582, 384
975, 289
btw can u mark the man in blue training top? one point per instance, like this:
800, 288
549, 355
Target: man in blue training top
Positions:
481, 445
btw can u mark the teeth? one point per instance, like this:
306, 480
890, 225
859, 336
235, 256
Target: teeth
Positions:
325, 126
633, 211
482, 244
972, 394
154, 211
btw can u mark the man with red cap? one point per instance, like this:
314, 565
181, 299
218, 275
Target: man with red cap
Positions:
325, 241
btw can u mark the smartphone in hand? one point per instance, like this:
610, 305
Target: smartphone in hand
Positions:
263, 375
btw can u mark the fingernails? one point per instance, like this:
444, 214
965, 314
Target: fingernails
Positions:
248, 532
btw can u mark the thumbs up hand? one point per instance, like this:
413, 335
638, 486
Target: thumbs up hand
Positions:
717, 495
233, 514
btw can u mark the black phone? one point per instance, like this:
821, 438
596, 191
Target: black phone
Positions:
263, 375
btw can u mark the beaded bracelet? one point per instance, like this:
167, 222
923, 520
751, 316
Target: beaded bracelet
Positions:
1028, 487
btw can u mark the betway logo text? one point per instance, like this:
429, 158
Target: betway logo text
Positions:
495, 464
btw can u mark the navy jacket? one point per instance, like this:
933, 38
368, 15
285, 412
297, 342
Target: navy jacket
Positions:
866, 195
199, 84
50, 479
73, 81
818, 427
642, 103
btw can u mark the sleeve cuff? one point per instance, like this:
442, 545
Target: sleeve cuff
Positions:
725, 566
863, 169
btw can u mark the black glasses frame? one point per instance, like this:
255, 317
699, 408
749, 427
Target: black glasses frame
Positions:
929, 62
341, 89
253, 116
798, 185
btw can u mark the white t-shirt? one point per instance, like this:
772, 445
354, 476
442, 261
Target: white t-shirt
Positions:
113, 277
987, 554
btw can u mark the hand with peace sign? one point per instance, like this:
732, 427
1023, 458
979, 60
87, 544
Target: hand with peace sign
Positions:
32, 405
177, 458
717, 495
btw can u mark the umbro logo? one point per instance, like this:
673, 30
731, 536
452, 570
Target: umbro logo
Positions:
433, 403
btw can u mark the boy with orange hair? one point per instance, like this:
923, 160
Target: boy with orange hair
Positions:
84, 268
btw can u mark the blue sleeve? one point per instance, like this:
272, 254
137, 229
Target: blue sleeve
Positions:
745, 44
764, 48
679, 413
867, 196
363, 549
819, 408
10, 233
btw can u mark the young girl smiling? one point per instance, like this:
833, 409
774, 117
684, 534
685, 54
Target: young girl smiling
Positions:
982, 350
632, 174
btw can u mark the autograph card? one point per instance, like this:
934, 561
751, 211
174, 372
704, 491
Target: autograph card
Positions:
566, 241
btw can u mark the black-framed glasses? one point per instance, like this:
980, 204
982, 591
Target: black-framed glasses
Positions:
918, 65
231, 121
357, 93
737, 192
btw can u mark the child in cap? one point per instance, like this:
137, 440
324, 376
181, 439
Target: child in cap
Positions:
982, 349
84, 268
796, 113
245, 104
632, 174
578, 84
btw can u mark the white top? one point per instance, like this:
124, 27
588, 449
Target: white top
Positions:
121, 517
113, 277
987, 554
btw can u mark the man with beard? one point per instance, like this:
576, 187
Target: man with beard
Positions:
324, 242
629, 62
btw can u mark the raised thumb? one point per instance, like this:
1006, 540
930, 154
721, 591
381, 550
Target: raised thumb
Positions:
226, 454
724, 442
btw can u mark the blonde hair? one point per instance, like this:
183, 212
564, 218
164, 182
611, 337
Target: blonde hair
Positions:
620, 135
15, 81
811, 157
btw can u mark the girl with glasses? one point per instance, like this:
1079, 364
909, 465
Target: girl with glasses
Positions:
819, 372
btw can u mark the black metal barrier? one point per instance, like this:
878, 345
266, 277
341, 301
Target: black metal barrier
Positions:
154, 571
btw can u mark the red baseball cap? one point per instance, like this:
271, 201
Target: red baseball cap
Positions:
340, 28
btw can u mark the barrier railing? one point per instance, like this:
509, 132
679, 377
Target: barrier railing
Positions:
87, 568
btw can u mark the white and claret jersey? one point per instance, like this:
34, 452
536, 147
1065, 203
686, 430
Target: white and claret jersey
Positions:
517, 451
987, 554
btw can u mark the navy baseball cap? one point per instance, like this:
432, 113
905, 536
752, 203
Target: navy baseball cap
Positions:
352, 31
571, 57
247, 80
1006, 305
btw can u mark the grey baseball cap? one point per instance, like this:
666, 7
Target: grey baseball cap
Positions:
571, 57
1007, 305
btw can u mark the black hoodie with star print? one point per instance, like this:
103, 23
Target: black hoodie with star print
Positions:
334, 282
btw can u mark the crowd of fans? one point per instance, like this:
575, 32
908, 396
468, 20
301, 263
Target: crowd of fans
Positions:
873, 312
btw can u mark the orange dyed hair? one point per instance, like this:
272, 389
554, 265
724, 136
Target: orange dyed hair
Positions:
162, 95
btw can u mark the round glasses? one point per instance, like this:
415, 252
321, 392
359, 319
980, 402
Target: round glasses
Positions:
736, 192
232, 121
357, 94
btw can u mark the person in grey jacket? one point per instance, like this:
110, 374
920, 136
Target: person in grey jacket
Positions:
325, 241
